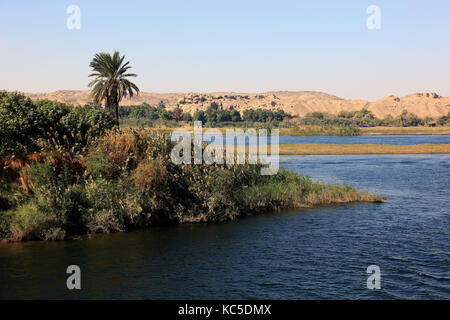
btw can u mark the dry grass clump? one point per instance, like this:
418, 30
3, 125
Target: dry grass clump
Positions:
150, 174
336, 194
124, 149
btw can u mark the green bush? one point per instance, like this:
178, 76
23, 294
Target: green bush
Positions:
100, 165
4, 202
444, 120
19, 124
61, 195
26, 125
263, 115
30, 223
113, 206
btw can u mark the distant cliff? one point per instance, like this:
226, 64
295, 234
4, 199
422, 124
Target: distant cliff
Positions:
296, 103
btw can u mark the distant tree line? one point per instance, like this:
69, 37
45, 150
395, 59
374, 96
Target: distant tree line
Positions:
215, 115
365, 118
444, 120
153, 113
212, 115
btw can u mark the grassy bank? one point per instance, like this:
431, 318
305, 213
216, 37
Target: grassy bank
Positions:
404, 130
292, 131
342, 149
332, 131
311, 130
355, 131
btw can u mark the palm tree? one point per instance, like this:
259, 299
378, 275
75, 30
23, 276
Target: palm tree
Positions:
111, 84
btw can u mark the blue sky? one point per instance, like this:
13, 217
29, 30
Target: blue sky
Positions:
244, 46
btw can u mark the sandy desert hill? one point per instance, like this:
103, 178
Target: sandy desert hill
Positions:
296, 103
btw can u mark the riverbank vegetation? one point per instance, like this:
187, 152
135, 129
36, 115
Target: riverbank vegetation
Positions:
361, 118
159, 116
352, 123
66, 172
405, 130
317, 130
311, 130
343, 149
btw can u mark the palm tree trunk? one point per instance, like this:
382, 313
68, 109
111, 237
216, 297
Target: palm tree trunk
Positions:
116, 113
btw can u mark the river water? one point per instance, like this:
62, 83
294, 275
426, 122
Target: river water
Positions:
367, 139
297, 254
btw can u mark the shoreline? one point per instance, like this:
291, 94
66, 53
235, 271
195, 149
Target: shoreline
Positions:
353, 197
354, 149
405, 131
364, 131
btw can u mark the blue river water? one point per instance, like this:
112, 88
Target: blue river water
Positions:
319, 253
368, 139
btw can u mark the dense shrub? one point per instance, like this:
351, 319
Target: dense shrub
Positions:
59, 193
113, 206
30, 223
26, 125
360, 118
444, 120
4, 202
19, 124
200, 115
262, 115
123, 150
82, 124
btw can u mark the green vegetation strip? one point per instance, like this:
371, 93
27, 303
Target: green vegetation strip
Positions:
317, 148
404, 130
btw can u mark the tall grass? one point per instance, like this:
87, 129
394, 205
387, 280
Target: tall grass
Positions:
315, 130
289, 190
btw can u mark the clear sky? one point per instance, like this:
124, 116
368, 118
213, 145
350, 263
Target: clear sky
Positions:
244, 46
